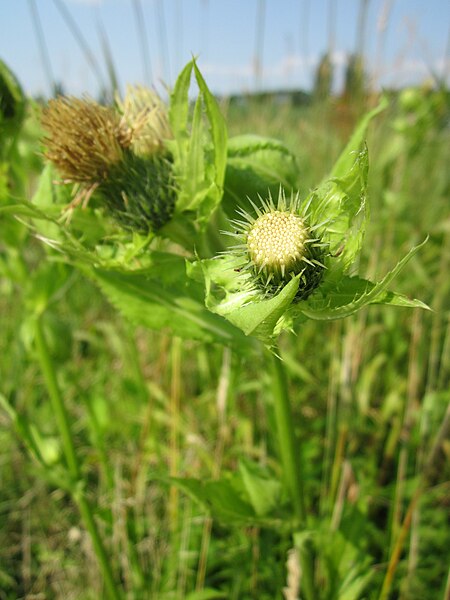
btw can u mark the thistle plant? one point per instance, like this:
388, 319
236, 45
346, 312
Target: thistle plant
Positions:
154, 168
291, 260
161, 172
122, 158
295, 259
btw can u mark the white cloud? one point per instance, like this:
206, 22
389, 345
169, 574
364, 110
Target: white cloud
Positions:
297, 70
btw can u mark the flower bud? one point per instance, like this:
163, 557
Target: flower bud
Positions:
278, 245
146, 115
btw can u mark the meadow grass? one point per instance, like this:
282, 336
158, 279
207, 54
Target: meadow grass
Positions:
369, 395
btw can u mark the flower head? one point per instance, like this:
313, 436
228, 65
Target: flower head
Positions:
146, 115
120, 157
84, 139
278, 243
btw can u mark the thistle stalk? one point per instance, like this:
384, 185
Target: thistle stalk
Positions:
289, 448
72, 460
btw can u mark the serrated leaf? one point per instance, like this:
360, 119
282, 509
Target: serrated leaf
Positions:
199, 156
354, 293
256, 166
341, 204
345, 161
341, 198
242, 305
163, 298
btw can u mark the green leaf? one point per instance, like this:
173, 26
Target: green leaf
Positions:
163, 297
192, 180
340, 200
256, 166
353, 293
259, 318
340, 203
345, 161
218, 497
179, 107
227, 293
263, 491
218, 130
47, 193
50, 199
199, 156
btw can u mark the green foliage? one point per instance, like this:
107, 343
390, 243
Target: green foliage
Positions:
162, 298
337, 212
176, 438
199, 155
12, 107
255, 166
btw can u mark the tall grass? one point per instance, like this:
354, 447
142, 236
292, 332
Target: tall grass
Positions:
369, 396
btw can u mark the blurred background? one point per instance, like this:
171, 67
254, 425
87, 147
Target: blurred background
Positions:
370, 393
91, 46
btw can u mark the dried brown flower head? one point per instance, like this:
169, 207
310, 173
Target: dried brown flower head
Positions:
84, 139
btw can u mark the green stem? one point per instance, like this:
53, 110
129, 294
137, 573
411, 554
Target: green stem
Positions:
290, 459
73, 464
288, 445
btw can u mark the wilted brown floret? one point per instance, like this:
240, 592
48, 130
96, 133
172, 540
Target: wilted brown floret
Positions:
84, 139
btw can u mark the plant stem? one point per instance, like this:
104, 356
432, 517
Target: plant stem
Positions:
73, 463
290, 460
288, 445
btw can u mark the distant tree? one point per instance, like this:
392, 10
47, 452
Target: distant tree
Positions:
355, 86
324, 78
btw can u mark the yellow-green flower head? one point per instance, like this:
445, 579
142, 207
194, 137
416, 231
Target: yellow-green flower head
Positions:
277, 244
146, 115
276, 241
84, 139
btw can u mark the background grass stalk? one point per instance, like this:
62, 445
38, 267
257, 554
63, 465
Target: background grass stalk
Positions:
73, 463
290, 459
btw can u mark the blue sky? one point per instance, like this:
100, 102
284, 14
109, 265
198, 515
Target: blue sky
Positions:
224, 35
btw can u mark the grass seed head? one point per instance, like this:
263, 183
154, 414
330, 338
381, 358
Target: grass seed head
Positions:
84, 139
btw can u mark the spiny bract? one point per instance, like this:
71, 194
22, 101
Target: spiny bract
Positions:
280, 243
